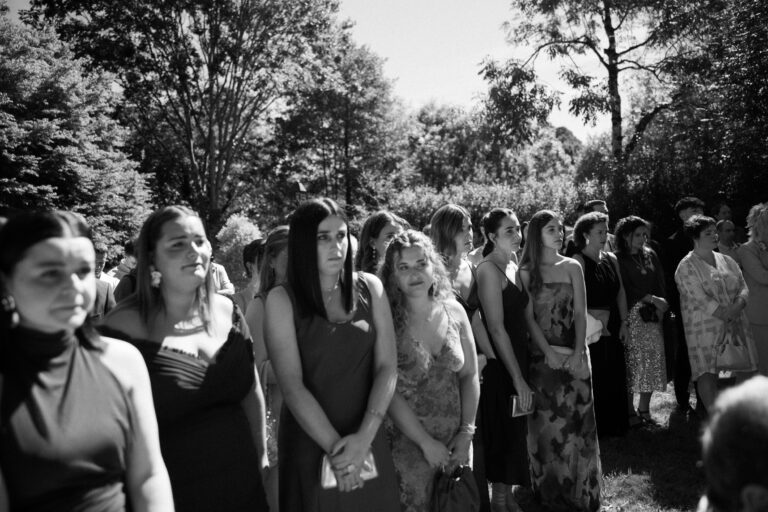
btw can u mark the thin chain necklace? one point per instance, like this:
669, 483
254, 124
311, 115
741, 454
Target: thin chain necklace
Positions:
328, 294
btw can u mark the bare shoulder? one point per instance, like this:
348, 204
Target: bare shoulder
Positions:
569, 264
278, 296
123, 360
222, 305
373, 282
455, 309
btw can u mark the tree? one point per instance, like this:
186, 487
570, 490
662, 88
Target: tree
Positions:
59, 144
636, 36
338, 134
207, 71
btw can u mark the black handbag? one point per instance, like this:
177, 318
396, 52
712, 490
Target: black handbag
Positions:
648, 313
455, 491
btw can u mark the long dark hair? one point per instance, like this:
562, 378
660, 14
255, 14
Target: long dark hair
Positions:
147, 298
303, 274
625, 227
22, 232
491, 222
366, 260
531, 260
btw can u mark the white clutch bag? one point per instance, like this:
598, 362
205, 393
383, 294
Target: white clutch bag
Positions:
328, 477
594, 329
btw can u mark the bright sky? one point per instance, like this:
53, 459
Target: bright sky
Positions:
433, 49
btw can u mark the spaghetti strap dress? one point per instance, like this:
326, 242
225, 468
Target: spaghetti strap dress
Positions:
562, 438
337, 366
504, 437
429, 383
205, 436
66, 426
471, 305
609, 367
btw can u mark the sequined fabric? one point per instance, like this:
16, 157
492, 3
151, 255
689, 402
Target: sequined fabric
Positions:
644, 354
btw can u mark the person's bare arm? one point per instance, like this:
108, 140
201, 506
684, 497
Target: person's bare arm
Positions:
147, 482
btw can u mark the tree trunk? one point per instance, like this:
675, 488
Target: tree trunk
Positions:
614, 98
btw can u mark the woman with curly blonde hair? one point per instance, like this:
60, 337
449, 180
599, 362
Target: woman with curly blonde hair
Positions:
434, 405
753, 256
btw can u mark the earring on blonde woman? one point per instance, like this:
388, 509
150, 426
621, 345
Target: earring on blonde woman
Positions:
155, 277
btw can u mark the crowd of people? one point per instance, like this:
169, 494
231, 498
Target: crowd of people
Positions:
350, 373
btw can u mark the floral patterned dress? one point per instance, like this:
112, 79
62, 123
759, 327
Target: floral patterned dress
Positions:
562, 435
430, 385
704, 288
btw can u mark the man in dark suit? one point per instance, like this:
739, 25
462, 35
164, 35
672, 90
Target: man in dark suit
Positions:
105, 300
674, 249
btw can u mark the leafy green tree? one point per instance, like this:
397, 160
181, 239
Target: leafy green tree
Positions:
236, 233
60, 146
207, 73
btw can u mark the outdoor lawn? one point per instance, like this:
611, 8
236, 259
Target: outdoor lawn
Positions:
655, 468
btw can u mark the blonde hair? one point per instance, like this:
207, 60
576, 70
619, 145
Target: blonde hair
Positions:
757, 222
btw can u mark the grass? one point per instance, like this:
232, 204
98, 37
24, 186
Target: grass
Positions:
654, 468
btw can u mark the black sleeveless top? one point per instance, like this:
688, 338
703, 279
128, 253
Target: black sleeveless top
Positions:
602, 284
66, 426
205, 436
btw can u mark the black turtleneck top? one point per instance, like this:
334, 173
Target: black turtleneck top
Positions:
65, 426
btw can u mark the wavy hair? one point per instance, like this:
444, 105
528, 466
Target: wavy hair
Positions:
491, 222
366, 259
17, 236
626, 227
440, 290
584, 225
532, 253
445, 224
757, 222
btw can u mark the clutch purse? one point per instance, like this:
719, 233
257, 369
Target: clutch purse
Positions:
648, 313
516, 410
328, 477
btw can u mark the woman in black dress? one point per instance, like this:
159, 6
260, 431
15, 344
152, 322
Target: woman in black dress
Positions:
331, 343
503, 303
196, 344
78, 426
607, 302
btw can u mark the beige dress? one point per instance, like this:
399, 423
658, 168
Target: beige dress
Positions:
754, 260
703, 289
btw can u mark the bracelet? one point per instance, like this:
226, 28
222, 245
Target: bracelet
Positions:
377, 414
467, 428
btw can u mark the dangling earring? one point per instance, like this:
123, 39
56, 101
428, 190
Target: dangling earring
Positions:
9, 306
155, 277
374, 256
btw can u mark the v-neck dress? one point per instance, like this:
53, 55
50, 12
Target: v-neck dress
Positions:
429, 383
337, 363
205, 436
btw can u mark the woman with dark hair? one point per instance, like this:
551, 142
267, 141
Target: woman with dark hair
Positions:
437, 390
713, 295
201, 364
78, 425
378, 231
331, 343
644, 286
607, 302
503, 303
562, 438
274, 267
253, 253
